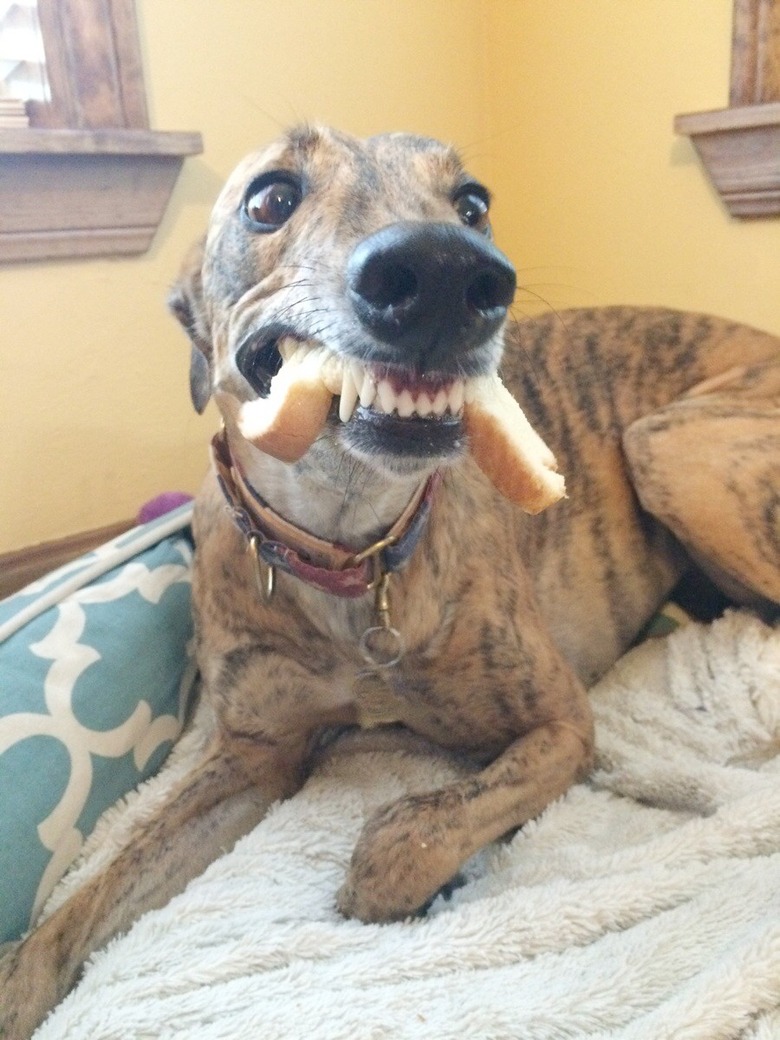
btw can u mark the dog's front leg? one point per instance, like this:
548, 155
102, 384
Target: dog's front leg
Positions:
209, 810
412, 847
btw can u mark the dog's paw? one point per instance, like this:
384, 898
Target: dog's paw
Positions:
404, 855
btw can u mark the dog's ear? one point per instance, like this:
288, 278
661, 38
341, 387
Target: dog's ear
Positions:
186, 302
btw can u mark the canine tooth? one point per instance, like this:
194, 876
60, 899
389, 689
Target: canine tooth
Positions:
386, 395
405, 404
358, 374
349, 394
297, 356
367, 390
440, 402
312, 357
457, 396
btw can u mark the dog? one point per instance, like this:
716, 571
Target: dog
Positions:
381, 582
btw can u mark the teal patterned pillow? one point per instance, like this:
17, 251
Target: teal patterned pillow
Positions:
96, 672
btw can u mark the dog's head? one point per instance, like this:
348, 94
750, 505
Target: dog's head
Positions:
380, 251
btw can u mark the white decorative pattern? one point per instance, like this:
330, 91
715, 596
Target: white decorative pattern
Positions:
106, 641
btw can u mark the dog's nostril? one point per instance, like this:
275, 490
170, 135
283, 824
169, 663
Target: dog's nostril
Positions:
384, 284
489, 290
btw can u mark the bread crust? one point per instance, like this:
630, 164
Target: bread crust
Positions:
289, 420
508, 449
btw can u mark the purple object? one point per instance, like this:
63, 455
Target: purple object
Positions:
162, 504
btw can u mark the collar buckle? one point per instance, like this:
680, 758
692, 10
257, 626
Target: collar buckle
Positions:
373, 553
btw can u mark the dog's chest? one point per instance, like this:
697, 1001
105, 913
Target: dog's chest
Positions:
377, 702
439, 700
453, 672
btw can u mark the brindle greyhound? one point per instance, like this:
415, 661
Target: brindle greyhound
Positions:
666, 426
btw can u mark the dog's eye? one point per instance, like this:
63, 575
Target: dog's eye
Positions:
269, 205
472, 205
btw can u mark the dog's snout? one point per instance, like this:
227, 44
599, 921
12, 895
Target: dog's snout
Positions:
429, 289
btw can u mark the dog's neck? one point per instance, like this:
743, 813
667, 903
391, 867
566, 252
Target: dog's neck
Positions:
330, 495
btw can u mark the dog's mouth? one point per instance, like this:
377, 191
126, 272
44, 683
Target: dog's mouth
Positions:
381, 390
377, 408
400, 413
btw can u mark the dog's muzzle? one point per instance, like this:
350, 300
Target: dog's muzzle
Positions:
429, 300
432, 296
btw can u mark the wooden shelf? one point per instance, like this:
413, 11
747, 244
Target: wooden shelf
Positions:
66, 193
740, 150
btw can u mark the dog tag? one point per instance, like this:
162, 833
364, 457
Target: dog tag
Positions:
376, 702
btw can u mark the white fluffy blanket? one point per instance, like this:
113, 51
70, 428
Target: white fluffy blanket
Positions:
643, 904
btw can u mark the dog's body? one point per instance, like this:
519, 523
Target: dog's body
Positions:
665, 425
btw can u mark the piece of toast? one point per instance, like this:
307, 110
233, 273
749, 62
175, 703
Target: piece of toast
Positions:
508, 449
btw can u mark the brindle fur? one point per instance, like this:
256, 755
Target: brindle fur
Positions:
506, 618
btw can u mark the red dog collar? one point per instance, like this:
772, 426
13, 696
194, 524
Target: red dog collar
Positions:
328, 566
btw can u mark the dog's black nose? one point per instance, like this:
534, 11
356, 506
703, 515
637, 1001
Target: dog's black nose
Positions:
429, 290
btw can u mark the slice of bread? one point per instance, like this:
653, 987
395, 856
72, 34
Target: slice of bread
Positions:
287, 422
508, 449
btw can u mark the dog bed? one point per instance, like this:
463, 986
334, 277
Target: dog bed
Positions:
645, 903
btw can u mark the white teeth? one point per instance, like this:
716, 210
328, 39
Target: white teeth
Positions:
358, 372
367, 390
287, 347
440, 402
405, 404
352, 382
386, 395
332, 373
349, 394
424, 405
457, 396
300, 353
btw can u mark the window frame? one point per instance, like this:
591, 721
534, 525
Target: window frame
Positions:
89, 177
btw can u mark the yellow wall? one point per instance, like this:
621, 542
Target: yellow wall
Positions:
95, 415
597, 200
566, 106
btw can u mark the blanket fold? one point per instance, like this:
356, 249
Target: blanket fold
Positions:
643, 905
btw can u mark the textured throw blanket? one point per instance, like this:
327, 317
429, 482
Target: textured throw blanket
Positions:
643, 904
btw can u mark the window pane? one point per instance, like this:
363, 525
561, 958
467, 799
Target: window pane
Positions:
22, 60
